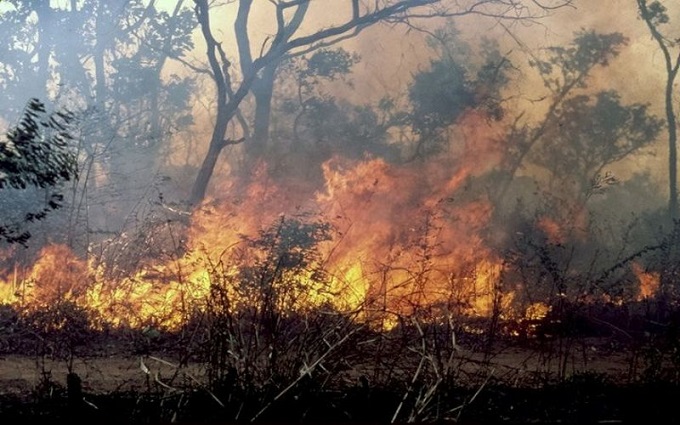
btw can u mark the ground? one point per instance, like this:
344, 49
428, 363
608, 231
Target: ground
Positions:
105, 374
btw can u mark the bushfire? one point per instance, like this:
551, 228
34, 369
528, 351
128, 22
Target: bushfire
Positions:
381, 239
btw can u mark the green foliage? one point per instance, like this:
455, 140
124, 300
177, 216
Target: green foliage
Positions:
492, 77
132, 39
37, 153
592, 132
107, 58
289, 243
323, 65
329, 64
169, 35
285, 266
568, 66
339, 127
440, 95
321, 125
655, 12
455, 82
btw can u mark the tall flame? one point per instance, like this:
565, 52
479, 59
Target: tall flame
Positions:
404, 237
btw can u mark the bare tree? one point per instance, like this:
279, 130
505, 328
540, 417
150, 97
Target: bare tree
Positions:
257, 72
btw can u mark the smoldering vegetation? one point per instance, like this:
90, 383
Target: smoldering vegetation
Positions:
269, 240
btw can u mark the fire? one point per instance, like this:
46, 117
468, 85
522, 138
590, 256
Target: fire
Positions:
384, 239
10, 291
58, 274
536, 311
648, 282
414, 245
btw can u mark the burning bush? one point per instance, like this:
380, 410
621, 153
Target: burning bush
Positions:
268, 323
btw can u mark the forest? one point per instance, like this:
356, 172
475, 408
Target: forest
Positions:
347, 211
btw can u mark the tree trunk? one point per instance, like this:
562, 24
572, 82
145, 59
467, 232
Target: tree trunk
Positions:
672, 67
672, 150
217, 143
262, 90
204, 174
45, 32
98, 56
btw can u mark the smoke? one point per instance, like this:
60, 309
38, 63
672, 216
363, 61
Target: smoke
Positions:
425, 199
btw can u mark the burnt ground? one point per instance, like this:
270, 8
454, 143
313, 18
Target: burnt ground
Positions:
518, 383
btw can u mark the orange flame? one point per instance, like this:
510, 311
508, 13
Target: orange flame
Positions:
404, 238
648, 282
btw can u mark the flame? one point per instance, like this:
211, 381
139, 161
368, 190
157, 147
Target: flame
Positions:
411, 243
537, 311
58, 274
648, 282
402, 238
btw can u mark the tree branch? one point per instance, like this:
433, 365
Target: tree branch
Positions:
230, 142
242, 37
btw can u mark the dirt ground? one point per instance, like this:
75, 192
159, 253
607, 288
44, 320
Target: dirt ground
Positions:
19, 374
513, 365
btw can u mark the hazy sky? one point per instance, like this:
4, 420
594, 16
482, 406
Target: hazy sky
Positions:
390, 55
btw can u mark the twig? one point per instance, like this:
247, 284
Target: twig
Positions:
415, 375
189, 375
305, 372
474, 396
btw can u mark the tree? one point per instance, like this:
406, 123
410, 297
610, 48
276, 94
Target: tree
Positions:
454, 83
108, 59
547, 218
564, 71
655, 16
257, 73
459, 78
310, 125
36, 154
593, 132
